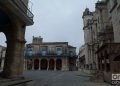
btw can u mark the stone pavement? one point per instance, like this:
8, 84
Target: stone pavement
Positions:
59, 78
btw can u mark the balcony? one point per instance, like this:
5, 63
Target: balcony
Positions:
31, 53
17, 8
47, 55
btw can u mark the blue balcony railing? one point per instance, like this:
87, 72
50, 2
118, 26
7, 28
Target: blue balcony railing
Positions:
41, 55
49, 54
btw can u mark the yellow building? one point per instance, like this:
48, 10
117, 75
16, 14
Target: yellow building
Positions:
41, 55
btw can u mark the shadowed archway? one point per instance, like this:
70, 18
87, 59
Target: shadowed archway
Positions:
36, 64
44, 64
58, 64
51, 64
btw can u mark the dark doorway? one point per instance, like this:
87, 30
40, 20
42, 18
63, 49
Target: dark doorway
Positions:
51, 64
58, 64
72, 64
36, 64
44, 64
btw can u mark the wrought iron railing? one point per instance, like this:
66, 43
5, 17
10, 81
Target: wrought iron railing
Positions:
47, 55
24, 8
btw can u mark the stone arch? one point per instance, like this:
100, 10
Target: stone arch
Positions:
51, 64
44, 64
58, 64
13, 25
36, 64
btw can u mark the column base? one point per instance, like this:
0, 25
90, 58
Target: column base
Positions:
10, 76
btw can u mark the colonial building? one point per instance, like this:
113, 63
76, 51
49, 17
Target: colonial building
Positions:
81, 60
108, 52
89, 28
2, 56
41, 55
102, 41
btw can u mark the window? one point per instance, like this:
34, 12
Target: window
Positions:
43, 51
71, 53
58, 50
29, 52
108, 67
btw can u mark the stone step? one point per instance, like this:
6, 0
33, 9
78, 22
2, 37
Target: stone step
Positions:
14, 82
8, 80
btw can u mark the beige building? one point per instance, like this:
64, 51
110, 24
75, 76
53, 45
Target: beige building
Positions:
41, 55
81, 62
90, 31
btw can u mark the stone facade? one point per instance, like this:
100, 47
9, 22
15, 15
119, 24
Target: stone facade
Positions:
108, 52
89, 19
41, 55
113, 7
81, 62
14, 17
103, 35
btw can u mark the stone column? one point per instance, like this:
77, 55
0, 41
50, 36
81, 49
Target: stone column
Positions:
24, 64
64, 64
32, 64
48, 66
39, 64
14, 59
55, 65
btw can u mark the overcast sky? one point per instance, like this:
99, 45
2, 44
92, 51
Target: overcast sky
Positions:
58, 20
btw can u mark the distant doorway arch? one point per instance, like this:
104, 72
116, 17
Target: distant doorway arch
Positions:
44, 64
29, 64
58, 64
36, 64
51, 64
